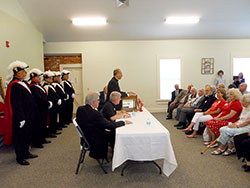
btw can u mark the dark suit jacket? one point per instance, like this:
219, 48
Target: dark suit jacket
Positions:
103, 99
113, 85
93, 125
173, 95
207, 102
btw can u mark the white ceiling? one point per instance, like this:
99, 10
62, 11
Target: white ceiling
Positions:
142, 20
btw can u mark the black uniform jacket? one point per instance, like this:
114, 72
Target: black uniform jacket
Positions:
22, 103
40, 95
68, 89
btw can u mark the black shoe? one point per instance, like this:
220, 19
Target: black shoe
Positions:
189, 132
247, 169
31, 156
46, 142
23, 162
182, 127
57, 133
37, 145
177, 125
51, 136
59, 128
244, 166
169, 117
64, 126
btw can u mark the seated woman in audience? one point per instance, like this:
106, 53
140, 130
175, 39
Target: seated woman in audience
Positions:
230, 113
209, 114
242, 143
241, 126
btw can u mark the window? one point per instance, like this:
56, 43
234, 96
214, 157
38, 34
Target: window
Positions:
170, 74
242, 65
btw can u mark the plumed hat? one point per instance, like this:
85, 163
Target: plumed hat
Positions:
33, 73
15, 67
48, 74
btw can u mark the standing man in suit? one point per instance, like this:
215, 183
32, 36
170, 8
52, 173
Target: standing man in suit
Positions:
174, 94
20, 108
180, 100
103, 98
93, 125
113, 85
69, 90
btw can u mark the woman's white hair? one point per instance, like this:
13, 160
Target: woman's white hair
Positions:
91, 97
247, 97
236, 93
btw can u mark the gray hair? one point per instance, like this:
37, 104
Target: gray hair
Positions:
210, 87
91, 97
213, 88
114, 95
236, 93
116, 71
247, 97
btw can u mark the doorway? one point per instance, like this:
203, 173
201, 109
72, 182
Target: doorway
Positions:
75, 77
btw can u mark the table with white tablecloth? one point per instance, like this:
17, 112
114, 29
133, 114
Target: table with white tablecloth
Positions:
144, 140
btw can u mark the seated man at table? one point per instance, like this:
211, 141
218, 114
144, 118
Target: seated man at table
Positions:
93, 125
109, 111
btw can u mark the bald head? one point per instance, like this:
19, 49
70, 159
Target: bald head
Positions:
189, 87
117, 74
243, 87
201, 92
176, 86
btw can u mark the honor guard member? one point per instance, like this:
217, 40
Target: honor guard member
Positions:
69, 90
63, 96
55, 99
43, 104
20, 107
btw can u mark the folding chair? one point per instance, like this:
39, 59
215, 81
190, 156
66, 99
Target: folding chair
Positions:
84, 148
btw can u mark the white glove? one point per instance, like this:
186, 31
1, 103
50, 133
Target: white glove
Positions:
67, 97
59, 102
22, 123
73, 95
50, 104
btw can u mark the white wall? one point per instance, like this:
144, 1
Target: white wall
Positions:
138, 61
26, 43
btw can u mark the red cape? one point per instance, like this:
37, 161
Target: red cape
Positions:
8, 115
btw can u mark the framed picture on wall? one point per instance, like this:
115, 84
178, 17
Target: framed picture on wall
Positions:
207, 66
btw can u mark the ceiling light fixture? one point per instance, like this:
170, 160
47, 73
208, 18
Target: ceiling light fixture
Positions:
89, 21
182, 20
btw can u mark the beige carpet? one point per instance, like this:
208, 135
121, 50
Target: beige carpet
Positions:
56, 165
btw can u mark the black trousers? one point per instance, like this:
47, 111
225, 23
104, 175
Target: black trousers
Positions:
242, 145
52, 120
69, 105
21, 139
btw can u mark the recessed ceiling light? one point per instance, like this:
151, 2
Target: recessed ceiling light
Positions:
89, 21
182, 20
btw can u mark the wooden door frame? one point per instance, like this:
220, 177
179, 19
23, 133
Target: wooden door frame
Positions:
61, 66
